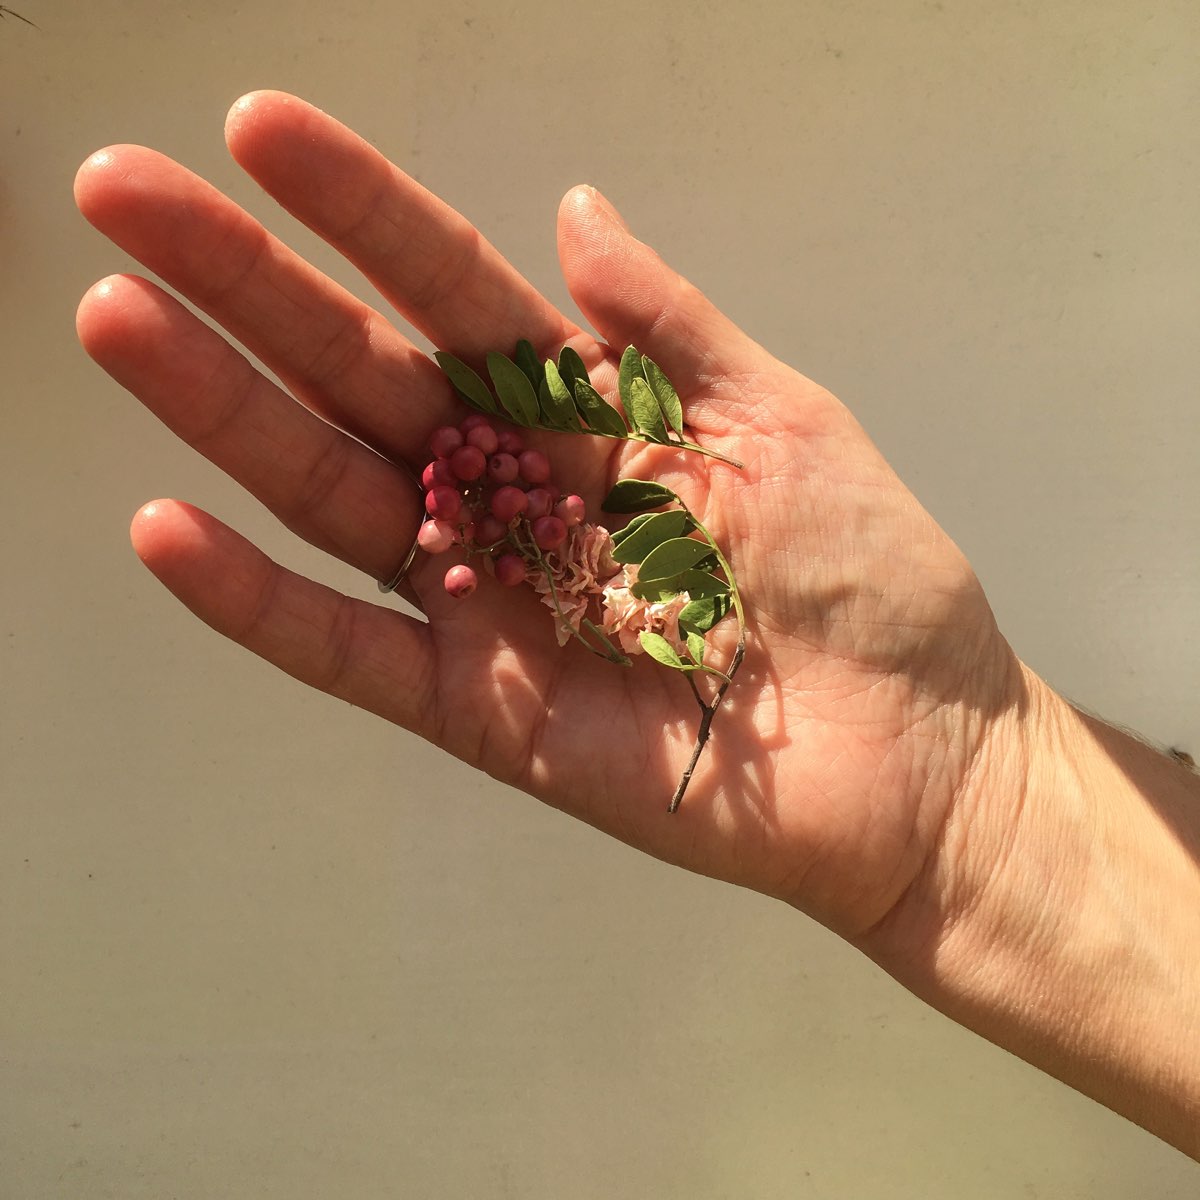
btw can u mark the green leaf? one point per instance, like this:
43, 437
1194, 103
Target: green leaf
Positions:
672, 558
647, 416
526, 358
656, 590
660, 649
571, 368
466, 383
636, 495
701, 585
696, 647
631, 528
702, 615
631, 369
668, 398
557, 406
514, 389
657, 528
597, 412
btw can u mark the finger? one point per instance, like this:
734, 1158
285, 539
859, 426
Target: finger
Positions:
329, 489
429, 261
376, 658
340, 357
633, 298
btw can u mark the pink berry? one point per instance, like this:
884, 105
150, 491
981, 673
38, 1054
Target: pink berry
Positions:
549, 533
444, 441
570, 511
464, 535
507, 503
435, 536
468, 463
485, 438
541, 502
535, 466
510, 569
510, 442
445, 503
460, 581
472, 421
489, 530
502, 468
438, 474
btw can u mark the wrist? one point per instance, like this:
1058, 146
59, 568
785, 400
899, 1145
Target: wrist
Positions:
1069, 899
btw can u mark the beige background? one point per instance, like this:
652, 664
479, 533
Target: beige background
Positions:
254, 943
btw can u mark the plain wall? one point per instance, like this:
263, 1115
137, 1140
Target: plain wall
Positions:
255, 943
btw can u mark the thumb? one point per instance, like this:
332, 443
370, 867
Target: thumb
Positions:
632, 297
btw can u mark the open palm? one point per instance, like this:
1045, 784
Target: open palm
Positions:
874, 670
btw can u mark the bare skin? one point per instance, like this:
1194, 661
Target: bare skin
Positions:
882, 748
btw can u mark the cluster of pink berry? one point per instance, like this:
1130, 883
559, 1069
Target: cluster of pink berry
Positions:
485, 492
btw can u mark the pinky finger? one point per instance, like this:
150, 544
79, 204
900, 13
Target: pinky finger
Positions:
375, 658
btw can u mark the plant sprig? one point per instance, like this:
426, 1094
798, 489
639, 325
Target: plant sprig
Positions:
559, 397
674, 553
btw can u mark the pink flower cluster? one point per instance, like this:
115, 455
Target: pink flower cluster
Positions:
490, 496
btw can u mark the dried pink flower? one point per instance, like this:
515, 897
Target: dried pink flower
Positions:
626, 615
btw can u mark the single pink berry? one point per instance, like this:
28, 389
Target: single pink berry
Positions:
434, 537
460, 581
444, 441
468, 463
510, 569
464, 535
502, 468
535, 466
570, 511
489, 530
484, 437
507, 503
471, 420
541, 502
438, 474
510, 442
445, 503
549, 533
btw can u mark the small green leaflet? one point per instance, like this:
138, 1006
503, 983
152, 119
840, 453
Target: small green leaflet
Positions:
513, 388
526, 358
637, 495
672, 558
656, 528
466, 383
699, 585
557, 406
631, 369
597, 412
702, 615
661, 650
665, 394
647, 416
571, 368
631, 528
695, 646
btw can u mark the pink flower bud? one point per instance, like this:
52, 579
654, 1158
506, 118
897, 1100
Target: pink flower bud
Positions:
444, 441
438, 474
434, 537
485, 438
460, 581
445, 503
549, 533
535, 466
489, 530
570, 510
510, 569
541, 502
507, 503
468, 463
502, 468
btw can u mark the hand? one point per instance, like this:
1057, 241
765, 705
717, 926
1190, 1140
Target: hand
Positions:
874, 681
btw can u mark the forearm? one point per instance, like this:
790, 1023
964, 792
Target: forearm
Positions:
1074, 939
